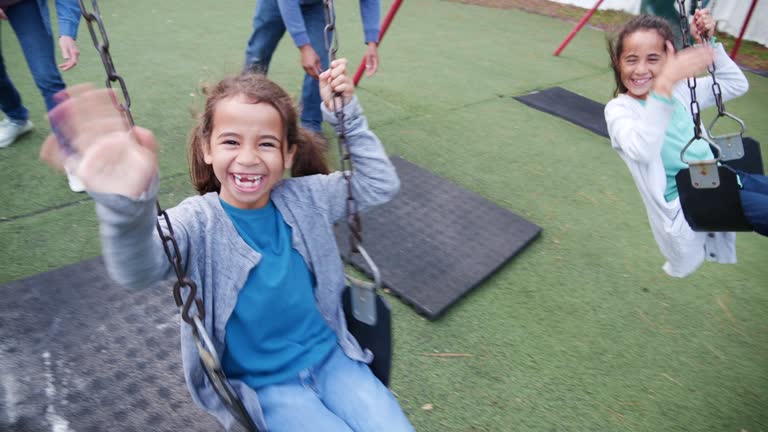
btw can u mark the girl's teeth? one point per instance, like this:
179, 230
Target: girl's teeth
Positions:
252, 181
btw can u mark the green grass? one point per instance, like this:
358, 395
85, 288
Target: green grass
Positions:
581, 332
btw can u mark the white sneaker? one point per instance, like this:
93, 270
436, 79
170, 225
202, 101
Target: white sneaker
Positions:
10, 130
75, 185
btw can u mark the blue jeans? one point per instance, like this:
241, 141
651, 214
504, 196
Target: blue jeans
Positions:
754, 200
38, 48
268, 29
339, 394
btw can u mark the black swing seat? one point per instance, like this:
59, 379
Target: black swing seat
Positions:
717, 209
720, 209
377, 338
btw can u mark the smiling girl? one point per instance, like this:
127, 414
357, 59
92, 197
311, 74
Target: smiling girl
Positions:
649, 123
261, 248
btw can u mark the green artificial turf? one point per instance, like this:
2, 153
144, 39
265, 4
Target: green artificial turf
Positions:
581, 332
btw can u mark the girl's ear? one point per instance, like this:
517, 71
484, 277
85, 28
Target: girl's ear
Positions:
205, 148
289, 155
670, 48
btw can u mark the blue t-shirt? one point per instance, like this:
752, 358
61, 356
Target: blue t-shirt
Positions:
275, 330
678, 133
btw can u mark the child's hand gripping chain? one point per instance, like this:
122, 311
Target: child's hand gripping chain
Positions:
336, 81
702, 26
92, 139
688, 62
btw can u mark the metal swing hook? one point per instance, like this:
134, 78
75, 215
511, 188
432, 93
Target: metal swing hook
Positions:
730, 144
364, 292
209, 359
704, 173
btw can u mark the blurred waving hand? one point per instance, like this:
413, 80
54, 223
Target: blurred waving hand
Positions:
93, 140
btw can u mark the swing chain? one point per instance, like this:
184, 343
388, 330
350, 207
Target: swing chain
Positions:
330, 35
102, 46
718, 94
695, 109
206, 351
716, 91
170, 246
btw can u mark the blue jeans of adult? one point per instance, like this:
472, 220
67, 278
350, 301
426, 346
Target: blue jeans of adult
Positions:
754, 200
268, 29
38, 48
339, 394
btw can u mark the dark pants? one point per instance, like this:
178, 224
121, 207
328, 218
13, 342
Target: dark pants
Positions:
38, 48
754, 200
268, 28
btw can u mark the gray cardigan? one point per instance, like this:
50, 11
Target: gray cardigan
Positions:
219, 260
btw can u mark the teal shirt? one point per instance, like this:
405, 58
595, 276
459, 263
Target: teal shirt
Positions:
275, 330
678, 133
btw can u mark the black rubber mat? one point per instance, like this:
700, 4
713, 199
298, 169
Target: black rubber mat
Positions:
567, 105
437, 241
79, 354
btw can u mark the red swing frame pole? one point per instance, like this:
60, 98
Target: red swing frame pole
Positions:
578, 27
737, 45
384, 26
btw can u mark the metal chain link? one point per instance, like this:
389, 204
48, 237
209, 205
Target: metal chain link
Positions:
206, 350
695, 109
330, 36
170, 246
731, 143
716, 91
718, 94
711, 68
102, 46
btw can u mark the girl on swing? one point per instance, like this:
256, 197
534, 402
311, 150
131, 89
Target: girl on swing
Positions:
649, 123
261, 248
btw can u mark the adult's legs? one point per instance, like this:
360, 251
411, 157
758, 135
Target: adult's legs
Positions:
754, 200
314, 21
268, 28
38, 48
350, 390
10, 100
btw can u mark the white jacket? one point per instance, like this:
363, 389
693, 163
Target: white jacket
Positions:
637, 134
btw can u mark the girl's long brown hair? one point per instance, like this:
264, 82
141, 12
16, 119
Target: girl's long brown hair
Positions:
616, 45
255, 88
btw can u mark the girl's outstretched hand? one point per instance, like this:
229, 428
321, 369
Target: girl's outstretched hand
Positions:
92, 139
686, 63
702, 26
335, 81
